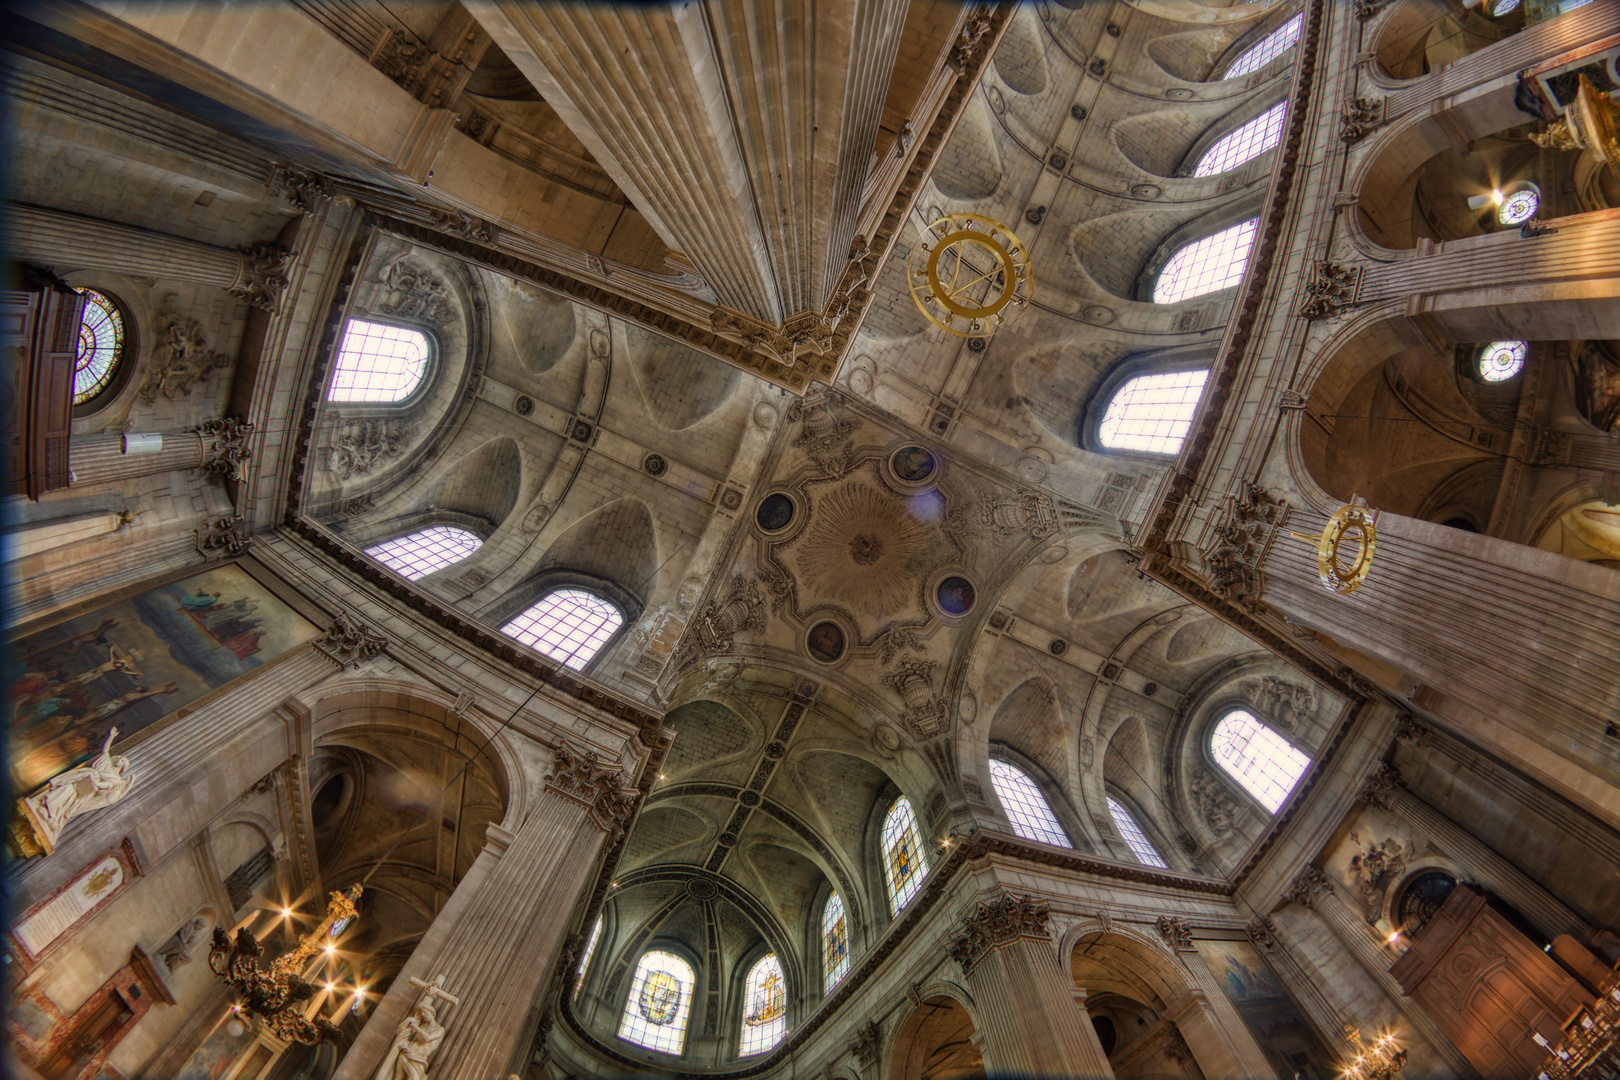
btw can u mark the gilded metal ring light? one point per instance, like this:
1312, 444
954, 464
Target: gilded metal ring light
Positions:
970, 276
1344, 551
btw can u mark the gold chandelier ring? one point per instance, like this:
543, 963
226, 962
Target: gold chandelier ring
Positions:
946, 293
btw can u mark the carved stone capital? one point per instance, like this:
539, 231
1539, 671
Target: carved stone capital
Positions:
1414, 732
225, 538
1307, 885
303, 188
348, 643
1177, 932
261, 274
997, 923
868, 1044
224, 446
1263, 933
463, 225
1358, 116
579, 776
1176, 1048
1380, 784
970, 44
1243, 536
1331, 290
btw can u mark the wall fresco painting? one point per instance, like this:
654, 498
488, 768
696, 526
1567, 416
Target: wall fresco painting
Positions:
1270, 1014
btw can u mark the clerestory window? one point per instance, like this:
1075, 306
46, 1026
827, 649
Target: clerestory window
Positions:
379, 363
100, 348
1247, 141
1025, 805
903, 866
1267, 48
1151, 413
834, 942
1204, 266
1135, 838
585, 961
764, 1020
1265, 763
418, 554
660, 1003
568, 625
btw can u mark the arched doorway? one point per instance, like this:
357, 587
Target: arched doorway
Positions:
936, 1042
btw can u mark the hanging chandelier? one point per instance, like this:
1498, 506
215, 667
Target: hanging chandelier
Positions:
970, 276
1378, 1060
1345, 550
273, 997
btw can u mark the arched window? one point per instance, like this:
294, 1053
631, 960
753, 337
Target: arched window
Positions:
420, 553
1026, 807
764, 1020
101, 345
1204, 266
1267, 48
585, 961
568, 625
1266, 764
1151, 413
1135, 838
660, 1003
834, 942
1246, 141
1501, 360
903, 866
379, 363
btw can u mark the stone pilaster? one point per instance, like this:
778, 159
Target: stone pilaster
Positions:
1313, 996
1032, 1025
1219, 1039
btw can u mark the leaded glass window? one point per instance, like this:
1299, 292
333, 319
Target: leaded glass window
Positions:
585, 961
379, 363
1246, 141
1267, 48
1519, 207
764, 1019
834, 942
1025, 805
100, 348
1500, 8
1266, 764
1204, 266
1151, 413
903, 866
1135, 838
569, 625
420, 553
1501, 360
660, 1003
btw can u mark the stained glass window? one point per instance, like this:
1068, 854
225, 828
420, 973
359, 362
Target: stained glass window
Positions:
764, 1019
1502, 7
1135, 838
379, 363
1152, 413
660, 1003
1519, 207
1026, 807
1248, 140
1501, 360
1266, 764
834, 941
585, 961
101, 345
569, 625
903, 866
421, 553
1204, 266
1267, 48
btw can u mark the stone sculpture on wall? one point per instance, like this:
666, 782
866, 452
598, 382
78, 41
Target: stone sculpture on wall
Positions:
1375, 868
1215, 804
365, 444
176, 952
418, 1036
95, 785
1288, 703
181, 357
416, 293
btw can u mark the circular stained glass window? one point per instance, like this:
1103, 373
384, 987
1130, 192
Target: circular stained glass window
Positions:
101, 346
1501, 360
1518, 207
1502, 7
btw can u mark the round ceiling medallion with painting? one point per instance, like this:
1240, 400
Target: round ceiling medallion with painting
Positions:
913, 464
776, 512
826, 642
955, 596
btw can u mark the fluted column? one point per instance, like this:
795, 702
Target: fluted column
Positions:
743, 133
219, 446
1315, 891
257, 273
1326, 1014
1546, 912
1032, 1024
1219, 1039
496, 942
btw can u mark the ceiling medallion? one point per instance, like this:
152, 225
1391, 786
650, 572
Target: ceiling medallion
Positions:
971, 277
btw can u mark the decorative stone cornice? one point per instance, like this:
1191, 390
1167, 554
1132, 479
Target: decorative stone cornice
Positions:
996, 923
1307, 885
1380, 784
225, 538
1177, 933
348, 643
261, 274
224, 446
579, 776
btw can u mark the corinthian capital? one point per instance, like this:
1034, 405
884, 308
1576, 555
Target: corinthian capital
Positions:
1307, 885
999, 922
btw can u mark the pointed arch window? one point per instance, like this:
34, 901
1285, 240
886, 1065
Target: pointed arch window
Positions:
418, 554
379, 363
585, 961
1135, 838
1204, 266
1243, 143
1267, 49
568, 625
660, 1003
834, 942
1151, 413
903, 866
764, 1020
1257, 757
1026, 805
101, 345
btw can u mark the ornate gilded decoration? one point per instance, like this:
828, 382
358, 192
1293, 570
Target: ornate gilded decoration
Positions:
972, 277
1344, 551
275, 996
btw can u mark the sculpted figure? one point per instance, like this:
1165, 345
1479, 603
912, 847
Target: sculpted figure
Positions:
418, 1036
92, 786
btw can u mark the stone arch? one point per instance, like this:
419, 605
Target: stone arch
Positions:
1125, 960
681, 386
1402, 37
940, 1032
483, 484
1020, 59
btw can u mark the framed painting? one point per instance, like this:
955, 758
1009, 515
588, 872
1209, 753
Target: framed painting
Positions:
1276, 1023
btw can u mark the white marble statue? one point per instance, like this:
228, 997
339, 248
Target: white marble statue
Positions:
92, 786
418, 1036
